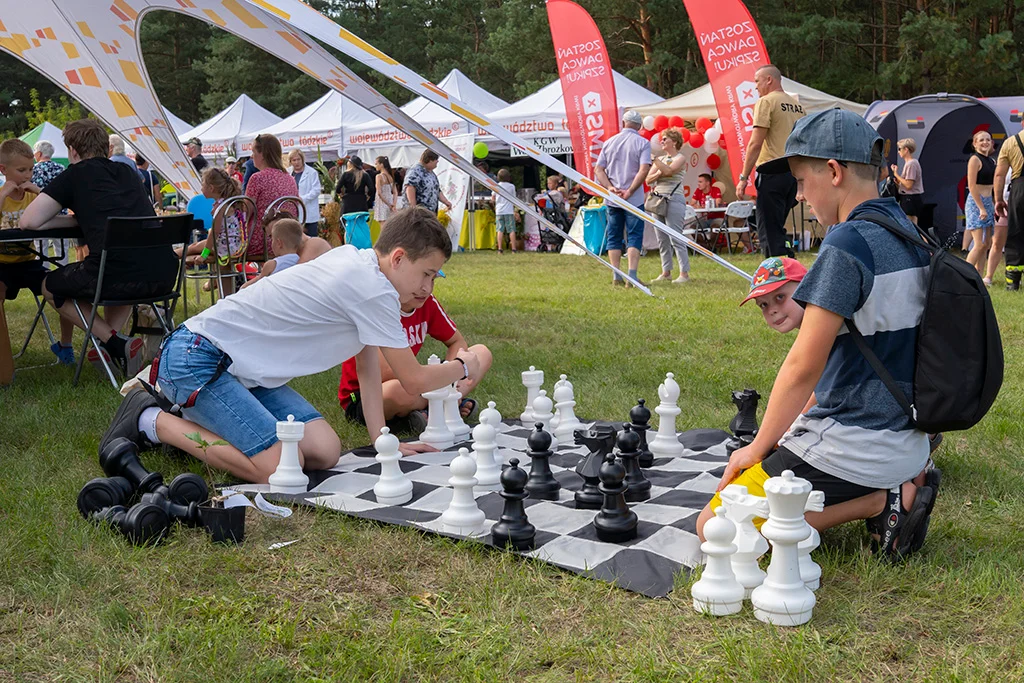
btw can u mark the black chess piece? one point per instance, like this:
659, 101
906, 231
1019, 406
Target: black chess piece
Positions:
144, 523
640, 421
187, 513
513, 529
615, 523
120, 458
542, 483
745, 421
638, 486
104, 492
600, 439
186, 488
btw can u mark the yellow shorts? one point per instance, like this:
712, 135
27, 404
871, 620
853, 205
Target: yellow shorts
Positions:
754, 479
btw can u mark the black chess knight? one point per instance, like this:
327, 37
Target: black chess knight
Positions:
600, 439
744, 423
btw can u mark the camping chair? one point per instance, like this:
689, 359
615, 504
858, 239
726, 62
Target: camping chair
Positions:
236, 217
125, 234
40, 316
357, 229
297, 210
741, 210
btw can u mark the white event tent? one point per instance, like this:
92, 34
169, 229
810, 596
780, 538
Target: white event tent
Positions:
220, 135
378, 137
316, 128
701, 102
177, 125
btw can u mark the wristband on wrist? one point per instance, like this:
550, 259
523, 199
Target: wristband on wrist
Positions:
465, 368
205, 253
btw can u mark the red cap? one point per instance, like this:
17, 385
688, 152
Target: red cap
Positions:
772, 274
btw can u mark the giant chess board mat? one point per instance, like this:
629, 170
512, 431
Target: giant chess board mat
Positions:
666, 545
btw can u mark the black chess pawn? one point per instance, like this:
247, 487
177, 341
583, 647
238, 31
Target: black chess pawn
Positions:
513, 529
542, 483
104, 492
142, 524
186, 488
638, 486
640, 421
600, 439
615, 523
187, 513
120, 458
745, 421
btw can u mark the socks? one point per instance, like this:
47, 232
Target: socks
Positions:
147, 424
115, 345
632, 274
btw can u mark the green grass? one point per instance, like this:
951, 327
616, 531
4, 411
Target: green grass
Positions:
354, 601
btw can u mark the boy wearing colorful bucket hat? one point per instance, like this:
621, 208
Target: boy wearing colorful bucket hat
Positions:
772, 290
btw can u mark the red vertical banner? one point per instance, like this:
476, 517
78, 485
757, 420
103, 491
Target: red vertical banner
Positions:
588, 87
733, 50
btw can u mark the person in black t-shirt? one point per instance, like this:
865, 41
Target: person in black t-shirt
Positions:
194, 149
95, 189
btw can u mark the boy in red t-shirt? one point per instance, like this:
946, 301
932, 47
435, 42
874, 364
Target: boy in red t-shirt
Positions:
420, 320
706, 189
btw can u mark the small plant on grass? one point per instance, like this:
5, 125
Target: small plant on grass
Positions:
204, 445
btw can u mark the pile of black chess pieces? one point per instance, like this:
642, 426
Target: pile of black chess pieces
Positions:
135, 501
612, 474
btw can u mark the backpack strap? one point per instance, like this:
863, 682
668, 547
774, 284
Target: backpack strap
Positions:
1021, 148
922, 239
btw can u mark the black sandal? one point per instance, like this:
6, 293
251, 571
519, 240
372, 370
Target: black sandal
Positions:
472, 407
932, 480
901, 532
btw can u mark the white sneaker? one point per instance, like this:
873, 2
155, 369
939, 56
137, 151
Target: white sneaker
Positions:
662, 278
681, 280
988, 283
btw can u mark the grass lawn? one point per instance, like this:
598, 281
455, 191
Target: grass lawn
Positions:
354, 601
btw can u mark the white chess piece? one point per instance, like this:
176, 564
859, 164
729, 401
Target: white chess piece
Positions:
463, 517
741, 508
533, 379
490, 415
718, 592
783, 599
557, 419
542, 413
453, 416
437, 433
393, 487
485, 450
288, 477
666, 443
565, 405
810, 572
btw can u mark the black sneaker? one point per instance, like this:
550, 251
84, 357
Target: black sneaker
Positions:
126, 420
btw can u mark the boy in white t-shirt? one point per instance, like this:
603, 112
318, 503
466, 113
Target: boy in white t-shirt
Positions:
285, 240
504, 212
228, 367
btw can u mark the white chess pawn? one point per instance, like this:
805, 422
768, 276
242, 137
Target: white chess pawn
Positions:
666, 443
542, 413
557, 419
741, 508
533, 379
565, 412
393, 487
453, 416
718, 592
810, 572
490, 415
463, 517
288, 477
437, 433
485, 450
784, 599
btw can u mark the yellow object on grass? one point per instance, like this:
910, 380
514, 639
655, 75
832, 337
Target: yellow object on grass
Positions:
483, 227
754, 479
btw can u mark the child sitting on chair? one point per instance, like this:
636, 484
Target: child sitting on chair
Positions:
285, 240
224, 240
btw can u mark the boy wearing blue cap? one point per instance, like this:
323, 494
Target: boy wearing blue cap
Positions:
854, 442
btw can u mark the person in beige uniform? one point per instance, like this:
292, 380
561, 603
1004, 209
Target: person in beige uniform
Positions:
1011, 161
775, 114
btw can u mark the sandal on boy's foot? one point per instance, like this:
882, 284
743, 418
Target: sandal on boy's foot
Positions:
897, 528
126, 420
65, 354
472, 407
932, 481
414, 423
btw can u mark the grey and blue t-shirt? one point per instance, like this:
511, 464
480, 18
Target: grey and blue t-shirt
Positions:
857, 431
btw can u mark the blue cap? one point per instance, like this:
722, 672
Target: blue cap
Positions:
833, 134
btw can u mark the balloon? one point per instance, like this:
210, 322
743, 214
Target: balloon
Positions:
721, 141
685, 132
714, 161
647, 133
696, 140
676, 122
480, 150
648, 123
703, 123
712, 135
718, 125
660, 122
710, 147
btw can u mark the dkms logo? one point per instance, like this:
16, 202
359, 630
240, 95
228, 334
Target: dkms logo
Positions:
747, 93
592, 103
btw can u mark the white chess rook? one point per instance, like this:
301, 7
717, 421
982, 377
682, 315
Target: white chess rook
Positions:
741, 508
393, 487
718, 592
485, 450
463, 516
533, 380
542, 413
453, 416
666, 443
783, 599
437, 433
288, 477
565, 412
810, 572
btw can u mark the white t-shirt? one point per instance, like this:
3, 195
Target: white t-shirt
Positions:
502, 206
307, 319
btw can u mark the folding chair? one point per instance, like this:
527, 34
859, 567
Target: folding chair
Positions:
236, 217
298, 210
130, 234
740, 210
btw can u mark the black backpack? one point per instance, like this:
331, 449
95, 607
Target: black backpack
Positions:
959, 367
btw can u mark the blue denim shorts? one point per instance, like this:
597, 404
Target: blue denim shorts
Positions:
245, 418
618, 221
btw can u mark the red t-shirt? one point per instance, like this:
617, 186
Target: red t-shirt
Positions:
427, 320
716, 194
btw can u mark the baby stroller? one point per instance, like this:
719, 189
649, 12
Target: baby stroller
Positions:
555, 212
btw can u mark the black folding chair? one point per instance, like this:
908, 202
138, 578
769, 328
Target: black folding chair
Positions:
132, 234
